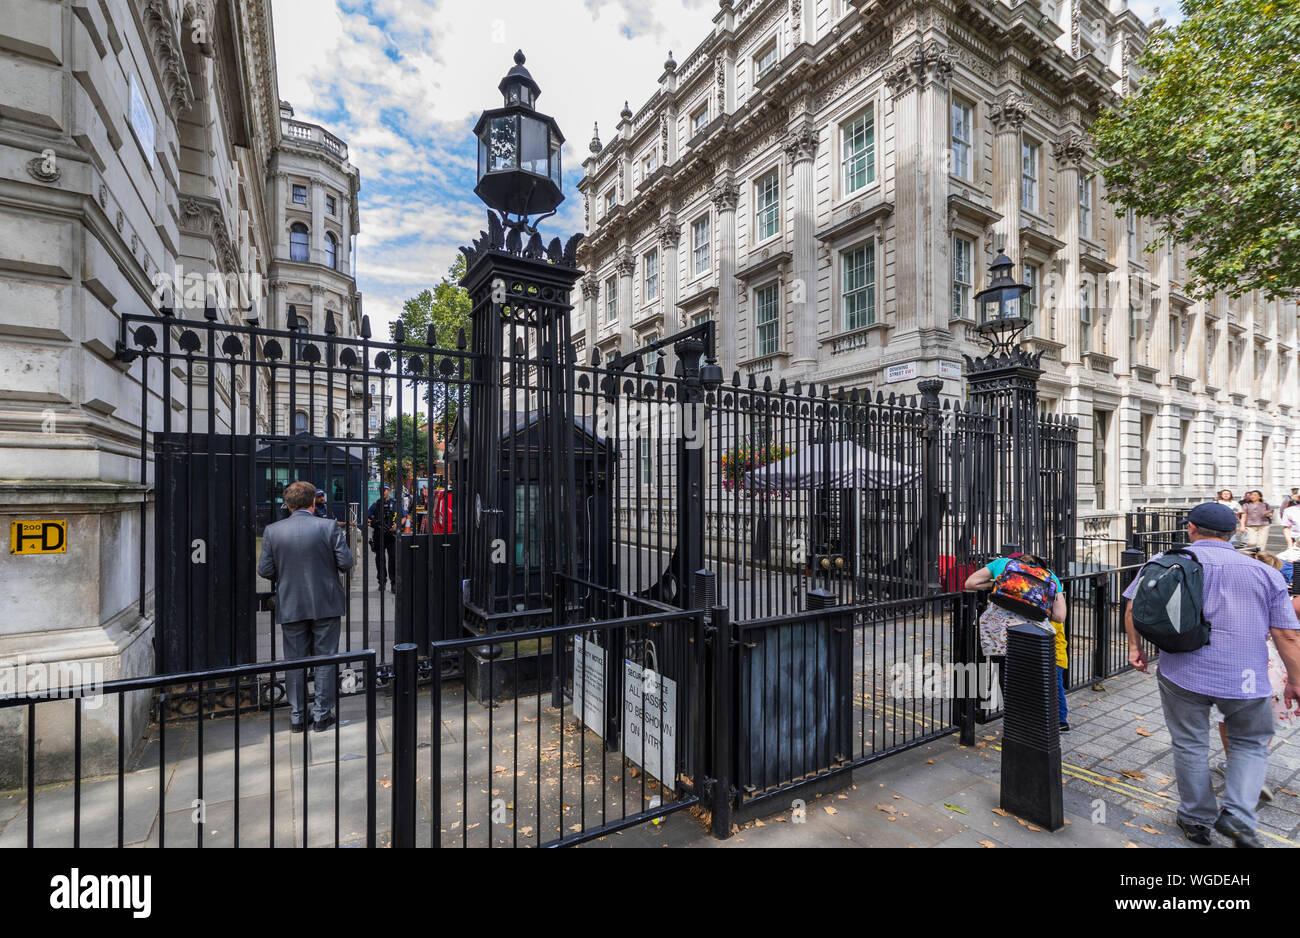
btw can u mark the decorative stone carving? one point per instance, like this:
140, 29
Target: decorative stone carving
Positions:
669, 233
930, 63
899, 77
590, 288
198, 21
796, 18
1070, 150
663, 139
625, 265
317, 289
1008, 113
165, 45
801, 142
36, 168
120, 220
103, 196
725, 195
720, 74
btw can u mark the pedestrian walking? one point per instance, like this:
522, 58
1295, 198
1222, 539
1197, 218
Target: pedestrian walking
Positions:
1243, 602
1292, 499
1022, 590
1291, 524
382, 518
1256, 519
304, 555
321, 510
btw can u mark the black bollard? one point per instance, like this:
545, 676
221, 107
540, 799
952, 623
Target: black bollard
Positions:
1031, 735
404, 745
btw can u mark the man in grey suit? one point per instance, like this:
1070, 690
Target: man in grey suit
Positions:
304, 555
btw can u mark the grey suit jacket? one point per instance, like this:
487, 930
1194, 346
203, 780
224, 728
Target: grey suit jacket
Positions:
304, 554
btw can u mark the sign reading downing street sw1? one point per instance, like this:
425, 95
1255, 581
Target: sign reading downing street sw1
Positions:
38, 537
650, 722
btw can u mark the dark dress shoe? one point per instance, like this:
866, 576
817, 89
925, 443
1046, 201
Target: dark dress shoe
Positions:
297, 727
1064, 727
324, 723
1196, 833
1232, 827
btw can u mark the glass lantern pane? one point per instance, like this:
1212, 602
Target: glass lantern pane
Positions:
555, 160
1011, 307
503, 144
534, 145
482, 157
526, 96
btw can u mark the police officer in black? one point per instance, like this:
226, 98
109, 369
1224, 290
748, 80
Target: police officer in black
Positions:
382, 518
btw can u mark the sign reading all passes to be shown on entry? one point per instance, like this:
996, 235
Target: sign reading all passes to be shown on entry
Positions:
38, 537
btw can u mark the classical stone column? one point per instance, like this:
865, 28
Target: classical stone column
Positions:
1007, 115
801, 148
345, 220
280, 213
317, 220
909, 220
1068, 154
624, 268
317, 308
670, 236
590, 312
725, 195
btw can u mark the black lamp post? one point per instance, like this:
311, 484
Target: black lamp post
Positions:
1000, 306
519, 150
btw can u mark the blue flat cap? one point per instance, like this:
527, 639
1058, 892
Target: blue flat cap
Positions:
1213, 516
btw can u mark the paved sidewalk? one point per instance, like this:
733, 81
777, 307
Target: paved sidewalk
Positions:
1119, 791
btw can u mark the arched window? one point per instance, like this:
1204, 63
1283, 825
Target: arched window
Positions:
298, 236
300, 422
331, 251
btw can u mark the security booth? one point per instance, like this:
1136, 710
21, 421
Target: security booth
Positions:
515, 590
339, 471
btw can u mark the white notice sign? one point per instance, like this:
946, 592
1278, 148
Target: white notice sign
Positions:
589, 685
141, 121
903, 372
650, 722
950, 370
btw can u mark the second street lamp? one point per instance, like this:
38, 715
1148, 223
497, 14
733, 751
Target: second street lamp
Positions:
1000, 306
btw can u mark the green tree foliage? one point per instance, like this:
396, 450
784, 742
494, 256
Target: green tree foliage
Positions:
1208, 145
447, 308
414, 447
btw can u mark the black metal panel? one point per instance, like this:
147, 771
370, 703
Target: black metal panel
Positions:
206, 562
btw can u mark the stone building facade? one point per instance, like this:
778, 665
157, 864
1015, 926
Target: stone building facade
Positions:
140, 142
313, 195
829, 180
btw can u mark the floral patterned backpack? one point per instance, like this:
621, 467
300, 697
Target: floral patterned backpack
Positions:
1024, 589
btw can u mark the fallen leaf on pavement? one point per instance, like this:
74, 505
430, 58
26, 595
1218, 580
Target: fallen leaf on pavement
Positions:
1129, 773
1151, 830
1143, 731
829, 810
1036, 830
929, 762
758, 823
987, 843
953, 807
888, 808
1001, 812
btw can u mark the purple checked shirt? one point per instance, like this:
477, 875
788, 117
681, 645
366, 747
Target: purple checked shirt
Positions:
1243, 599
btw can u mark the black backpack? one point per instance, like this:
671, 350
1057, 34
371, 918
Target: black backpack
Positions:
1168, 607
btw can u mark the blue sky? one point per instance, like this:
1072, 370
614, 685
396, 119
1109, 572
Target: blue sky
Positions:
402, 81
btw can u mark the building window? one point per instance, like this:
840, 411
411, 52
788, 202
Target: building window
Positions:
1085, 320
1133, 336
611, 299
1032, 279
1146, 449
611, 199
858, 152
650, 275
649, 163
331, 205
298, 246
962, 282
1100, 434
767, 206
858, 287
765, 61
699, 119
646, 460
1085, 206
767, 317
331, 251
299, 422
700, 245
1185, 449
961, 139
1130, 227
300, 195
1028, 176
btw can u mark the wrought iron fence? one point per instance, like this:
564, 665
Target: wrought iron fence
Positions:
239, 779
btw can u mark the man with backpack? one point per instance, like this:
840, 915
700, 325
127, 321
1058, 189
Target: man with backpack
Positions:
1209, 610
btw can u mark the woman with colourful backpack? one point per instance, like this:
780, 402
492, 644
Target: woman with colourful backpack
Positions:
1023, 591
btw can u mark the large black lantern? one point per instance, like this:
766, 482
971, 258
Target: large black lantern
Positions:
999, 308
519, 150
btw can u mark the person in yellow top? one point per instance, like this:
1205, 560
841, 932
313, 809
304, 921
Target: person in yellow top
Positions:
1062, 662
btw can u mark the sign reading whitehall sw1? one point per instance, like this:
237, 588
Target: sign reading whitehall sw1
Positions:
38, 537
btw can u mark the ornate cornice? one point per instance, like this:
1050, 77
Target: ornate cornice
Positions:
928, 63
165, 44
1008, 113
204, 217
